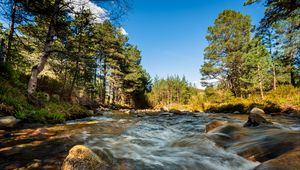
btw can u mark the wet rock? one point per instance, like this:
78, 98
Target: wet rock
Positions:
164, 109
256, 110
214, 124
175, 111
236, 112
41, 132
256, 144
82, 158
133, 112
295, 113
166, 114
256, 118
140, 114
287, 161
8, 121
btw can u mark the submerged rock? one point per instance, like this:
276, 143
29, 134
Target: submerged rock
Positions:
8, 121
41, 132
214, 124
82, 158
256, 144
175, 111
166, 114
287, 161
256, 118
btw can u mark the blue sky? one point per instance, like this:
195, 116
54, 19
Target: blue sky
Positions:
171, 33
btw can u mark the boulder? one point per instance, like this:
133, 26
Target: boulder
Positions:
256, 118
8, 121
214, 124
256, 110
287, 161
175, 111
237, 112
82, 158
164, 109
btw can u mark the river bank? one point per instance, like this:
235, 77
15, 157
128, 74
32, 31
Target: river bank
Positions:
147, 142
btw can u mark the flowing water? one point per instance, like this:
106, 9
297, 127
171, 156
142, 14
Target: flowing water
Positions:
151, 142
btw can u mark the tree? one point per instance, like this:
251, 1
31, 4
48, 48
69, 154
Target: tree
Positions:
223, 56
269, 39
136, 80
277, 10
255, 67
57, 10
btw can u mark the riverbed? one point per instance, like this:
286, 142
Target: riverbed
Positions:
149, 142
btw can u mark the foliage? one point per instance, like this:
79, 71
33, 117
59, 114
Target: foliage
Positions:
281, 99
223, 56
171, 90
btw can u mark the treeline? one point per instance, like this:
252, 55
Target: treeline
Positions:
66, 50
246, 64
171, 90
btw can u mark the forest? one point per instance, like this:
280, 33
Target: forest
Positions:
75, 93
67, 54
70, 57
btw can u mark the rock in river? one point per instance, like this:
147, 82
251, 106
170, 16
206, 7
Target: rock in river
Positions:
256, 118
214, 124
8, 121
82, 158
287, 161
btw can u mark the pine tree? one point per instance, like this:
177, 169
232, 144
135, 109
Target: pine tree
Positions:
223, 56
255, 67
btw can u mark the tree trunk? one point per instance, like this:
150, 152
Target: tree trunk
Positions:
36, 70
74, 79
12, 30
261, 88
104, 82
274, 77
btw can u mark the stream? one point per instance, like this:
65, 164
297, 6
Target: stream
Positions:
150, 142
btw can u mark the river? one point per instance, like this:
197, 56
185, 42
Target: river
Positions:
150, 142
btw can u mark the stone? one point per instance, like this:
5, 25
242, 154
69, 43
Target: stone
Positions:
256, 118
214, 124
166, 114
132, 112
41, 132
237, 112
287, 161
175, 111
81, 157
141, 115
164, 109
256, 110
8, 121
